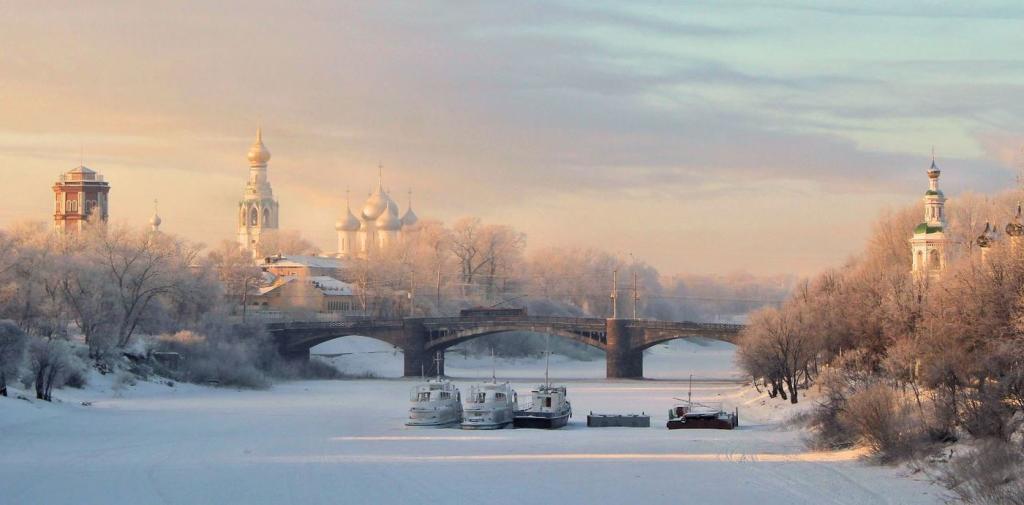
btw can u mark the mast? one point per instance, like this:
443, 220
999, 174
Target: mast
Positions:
494, 368
437, 363
547, 359
689, 392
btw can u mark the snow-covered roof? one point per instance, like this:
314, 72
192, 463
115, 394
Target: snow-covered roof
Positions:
301, 261
329, 286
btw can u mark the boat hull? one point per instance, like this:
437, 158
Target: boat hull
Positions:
485, 426
699, 423
541, 422
432, 423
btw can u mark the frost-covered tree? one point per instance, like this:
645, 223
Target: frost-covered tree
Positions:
12, 352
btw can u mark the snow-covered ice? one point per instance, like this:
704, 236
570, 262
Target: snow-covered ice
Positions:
330, 442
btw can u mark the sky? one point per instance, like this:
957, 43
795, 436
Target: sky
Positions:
702, 137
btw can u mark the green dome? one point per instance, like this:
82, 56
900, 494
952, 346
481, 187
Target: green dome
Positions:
933, 193
925, 228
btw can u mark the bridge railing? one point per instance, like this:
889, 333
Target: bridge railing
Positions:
535, 320
688, 325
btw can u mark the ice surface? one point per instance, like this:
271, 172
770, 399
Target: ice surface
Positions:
334, 442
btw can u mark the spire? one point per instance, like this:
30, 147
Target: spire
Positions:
410, 198
380, 177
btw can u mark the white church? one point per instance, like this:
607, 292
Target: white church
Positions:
376, 228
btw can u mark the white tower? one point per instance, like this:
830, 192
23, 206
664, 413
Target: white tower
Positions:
154, 222
257, 211
929, 245
348, 228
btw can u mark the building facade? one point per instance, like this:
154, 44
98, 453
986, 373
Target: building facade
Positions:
377, 227
930, 247
258, 210
80, 195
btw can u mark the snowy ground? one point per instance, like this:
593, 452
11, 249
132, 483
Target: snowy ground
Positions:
335, 442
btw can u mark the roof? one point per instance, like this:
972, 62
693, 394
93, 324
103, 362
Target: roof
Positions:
301, 261
329, 286
927, 228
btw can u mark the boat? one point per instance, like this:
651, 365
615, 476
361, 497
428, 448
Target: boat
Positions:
549, 407
688, 414
692, 415
436, 402
489, 405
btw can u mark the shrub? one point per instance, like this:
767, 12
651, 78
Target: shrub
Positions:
989, 475
883, 420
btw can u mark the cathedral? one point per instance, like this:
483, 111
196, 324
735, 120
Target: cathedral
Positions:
377, 227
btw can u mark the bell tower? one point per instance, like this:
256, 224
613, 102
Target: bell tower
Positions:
257, 211
930, 245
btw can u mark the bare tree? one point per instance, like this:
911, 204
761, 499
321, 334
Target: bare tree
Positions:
12, 352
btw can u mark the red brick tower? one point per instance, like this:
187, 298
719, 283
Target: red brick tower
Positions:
79, 195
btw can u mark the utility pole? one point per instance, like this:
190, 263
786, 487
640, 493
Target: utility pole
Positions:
615, 297
437, 295
636, 294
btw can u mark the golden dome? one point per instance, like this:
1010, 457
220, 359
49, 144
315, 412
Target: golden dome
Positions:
258, 153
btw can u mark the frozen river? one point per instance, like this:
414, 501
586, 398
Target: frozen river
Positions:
331, 442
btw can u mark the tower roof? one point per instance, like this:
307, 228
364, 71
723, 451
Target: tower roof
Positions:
388, 220
258, 153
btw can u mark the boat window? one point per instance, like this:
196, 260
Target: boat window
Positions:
499, 396
547, 401
445, 395
480, 397
423, 397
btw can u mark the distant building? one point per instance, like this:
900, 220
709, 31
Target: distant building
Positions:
80, 195
378, 226
257, 211
301, 266
307, 294
930, 247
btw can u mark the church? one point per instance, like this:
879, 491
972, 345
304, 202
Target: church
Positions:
377, 227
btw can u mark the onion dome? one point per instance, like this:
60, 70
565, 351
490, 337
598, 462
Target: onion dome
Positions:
154, 222
258, 153
933, 171
347, 223
388, 220
985, 239
409, 218
1015, 228
376, 204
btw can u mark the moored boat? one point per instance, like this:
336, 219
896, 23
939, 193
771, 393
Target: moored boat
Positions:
489, 406
549, 406
692, 415
548, 409
436, 402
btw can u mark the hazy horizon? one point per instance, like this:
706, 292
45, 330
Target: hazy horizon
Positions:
735, 136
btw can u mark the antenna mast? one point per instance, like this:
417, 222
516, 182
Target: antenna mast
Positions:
547, 359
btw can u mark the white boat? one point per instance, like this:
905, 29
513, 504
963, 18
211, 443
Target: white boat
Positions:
489, 406
436, 402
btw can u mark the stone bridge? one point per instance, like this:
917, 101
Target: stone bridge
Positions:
420, 339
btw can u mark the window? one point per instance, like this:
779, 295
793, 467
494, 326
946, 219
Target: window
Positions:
934, 260
71, 205
254, 216
547, 401
480, 398
266, 216
423, 397
499, 397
